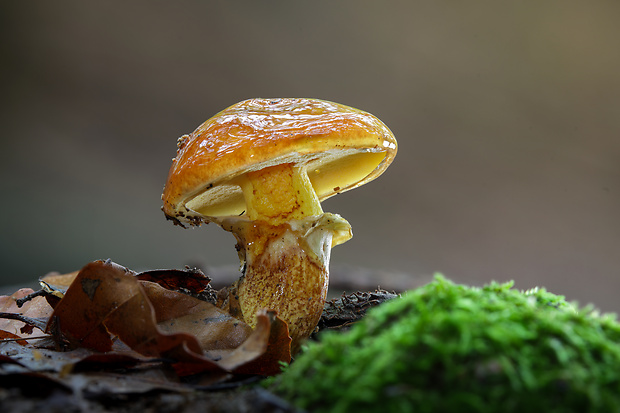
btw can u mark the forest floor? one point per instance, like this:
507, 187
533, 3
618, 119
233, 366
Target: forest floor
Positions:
29, 394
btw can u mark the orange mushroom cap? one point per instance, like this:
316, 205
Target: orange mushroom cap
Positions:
340, 148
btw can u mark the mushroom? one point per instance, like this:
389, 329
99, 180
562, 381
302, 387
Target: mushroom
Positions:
260, 170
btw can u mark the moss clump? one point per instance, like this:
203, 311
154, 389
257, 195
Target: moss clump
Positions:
451, 348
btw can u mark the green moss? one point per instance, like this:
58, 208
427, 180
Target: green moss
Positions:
451, 348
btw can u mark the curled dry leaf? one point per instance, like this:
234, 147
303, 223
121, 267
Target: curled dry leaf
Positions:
265, 349
192, 280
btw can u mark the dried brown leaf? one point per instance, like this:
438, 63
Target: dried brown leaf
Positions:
213, 328
191, 280
6, 336
263, 352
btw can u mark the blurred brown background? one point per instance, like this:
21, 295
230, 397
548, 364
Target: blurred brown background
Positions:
507, 116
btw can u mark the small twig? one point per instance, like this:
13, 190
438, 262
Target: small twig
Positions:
40, 324
5, 340
21, 301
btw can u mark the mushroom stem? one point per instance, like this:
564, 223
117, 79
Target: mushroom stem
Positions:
285, 242
279, 193
286, 269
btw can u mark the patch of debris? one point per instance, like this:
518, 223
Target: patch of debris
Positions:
342, 312
247, 400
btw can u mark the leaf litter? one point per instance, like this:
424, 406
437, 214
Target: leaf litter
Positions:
106, 337
107, 329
